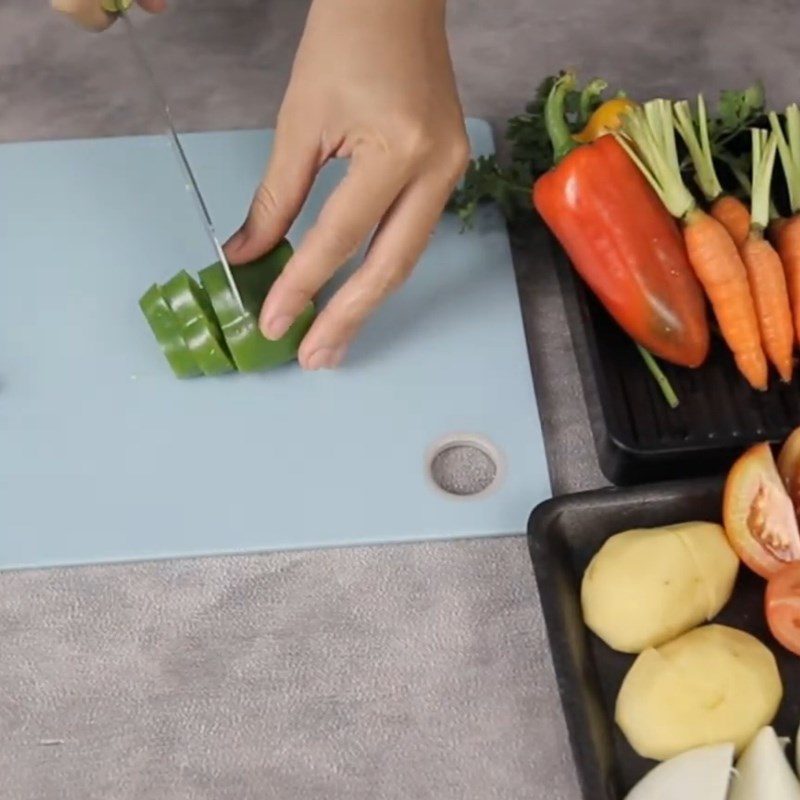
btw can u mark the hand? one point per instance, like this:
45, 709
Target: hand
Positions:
372, 82
91, 14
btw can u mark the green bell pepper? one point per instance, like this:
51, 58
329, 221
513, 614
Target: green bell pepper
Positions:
202, 329
250, 350
198, 323
167, 330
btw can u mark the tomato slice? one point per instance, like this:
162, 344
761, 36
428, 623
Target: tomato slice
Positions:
758, 514
789, 467
782, 605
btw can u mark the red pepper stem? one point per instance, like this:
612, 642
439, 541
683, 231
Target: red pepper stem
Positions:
592, 93
555, 117
660, 378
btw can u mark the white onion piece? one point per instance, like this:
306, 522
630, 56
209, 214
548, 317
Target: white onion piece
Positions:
702, 773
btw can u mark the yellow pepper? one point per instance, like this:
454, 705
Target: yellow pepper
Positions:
606, 118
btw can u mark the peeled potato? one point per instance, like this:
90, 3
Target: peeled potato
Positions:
712, 685
645, 587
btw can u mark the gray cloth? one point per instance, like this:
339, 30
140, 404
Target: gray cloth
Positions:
364, 673
416, 671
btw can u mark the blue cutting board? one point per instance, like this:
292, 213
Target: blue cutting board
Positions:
105, 456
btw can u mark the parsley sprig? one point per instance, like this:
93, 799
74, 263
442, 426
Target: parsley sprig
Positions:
509, 184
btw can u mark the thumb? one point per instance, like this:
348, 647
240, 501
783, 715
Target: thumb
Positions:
280, 196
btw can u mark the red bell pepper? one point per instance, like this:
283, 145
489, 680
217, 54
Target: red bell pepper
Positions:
622, 240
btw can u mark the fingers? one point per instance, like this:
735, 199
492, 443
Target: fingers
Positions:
394, 252
371, 185
87, 13
97, 15
291, 170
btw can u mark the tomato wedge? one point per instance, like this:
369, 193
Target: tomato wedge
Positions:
782, 605
758, 514
789, 467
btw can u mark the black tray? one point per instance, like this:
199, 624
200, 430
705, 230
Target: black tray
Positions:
563, 535
639, 439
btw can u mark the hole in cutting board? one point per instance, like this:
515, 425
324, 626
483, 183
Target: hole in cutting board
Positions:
464, 466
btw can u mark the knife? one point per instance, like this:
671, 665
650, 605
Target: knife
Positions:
119, 7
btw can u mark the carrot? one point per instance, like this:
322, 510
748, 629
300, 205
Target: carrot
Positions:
734, 216
649, 138
770, 293
785, 233
720, 268
725, 208
764, 266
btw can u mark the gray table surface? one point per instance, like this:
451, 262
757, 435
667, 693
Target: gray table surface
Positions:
414, 671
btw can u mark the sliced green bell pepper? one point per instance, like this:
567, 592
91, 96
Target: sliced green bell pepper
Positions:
250, 350
167, 330
202, 329
198, 324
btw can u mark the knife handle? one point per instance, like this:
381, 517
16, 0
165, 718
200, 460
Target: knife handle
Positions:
96, 15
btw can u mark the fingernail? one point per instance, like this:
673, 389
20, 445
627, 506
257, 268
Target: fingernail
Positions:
277, 327
235, 242
326, 358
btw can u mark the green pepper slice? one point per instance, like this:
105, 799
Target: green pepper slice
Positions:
198, 323
167, 330
248, 347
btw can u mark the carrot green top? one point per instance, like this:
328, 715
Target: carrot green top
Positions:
789, 148
699, 144
649, 139
739, 172
764, 152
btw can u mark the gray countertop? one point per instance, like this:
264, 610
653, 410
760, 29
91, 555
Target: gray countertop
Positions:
413, 671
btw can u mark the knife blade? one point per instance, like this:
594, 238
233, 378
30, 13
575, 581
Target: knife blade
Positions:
191, 183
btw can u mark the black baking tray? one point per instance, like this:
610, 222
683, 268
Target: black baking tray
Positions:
638, 438
563, 535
